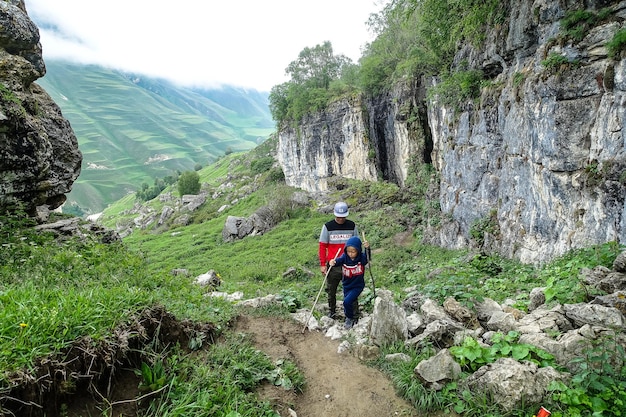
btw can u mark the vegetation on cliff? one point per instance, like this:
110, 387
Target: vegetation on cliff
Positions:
415, 38
412, 38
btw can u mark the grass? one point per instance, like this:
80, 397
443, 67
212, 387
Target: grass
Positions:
52, 296
220, 382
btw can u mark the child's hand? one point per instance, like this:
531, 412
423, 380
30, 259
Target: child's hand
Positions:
366, 244
332, 262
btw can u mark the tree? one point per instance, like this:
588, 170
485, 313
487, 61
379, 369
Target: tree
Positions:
312, 75
316, 67
189, 183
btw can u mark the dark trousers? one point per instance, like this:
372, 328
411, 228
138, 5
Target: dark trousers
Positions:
351, 302
333, 279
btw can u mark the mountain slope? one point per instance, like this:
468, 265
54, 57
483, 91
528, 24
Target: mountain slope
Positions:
132, 129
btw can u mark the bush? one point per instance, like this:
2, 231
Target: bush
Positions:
147, 193
261, 165
459, 88
577, 23
616, 45
189, 183
275, 175
557, 61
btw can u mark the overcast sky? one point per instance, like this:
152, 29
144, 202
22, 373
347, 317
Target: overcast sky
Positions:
246, 43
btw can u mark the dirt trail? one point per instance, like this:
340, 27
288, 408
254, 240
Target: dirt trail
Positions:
353, 388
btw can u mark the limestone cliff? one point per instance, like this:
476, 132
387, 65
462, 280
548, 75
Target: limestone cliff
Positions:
332, 143
542, 153
39, 156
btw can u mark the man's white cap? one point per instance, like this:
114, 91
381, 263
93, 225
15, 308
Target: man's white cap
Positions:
341, 209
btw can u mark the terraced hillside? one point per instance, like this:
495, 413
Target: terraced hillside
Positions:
132, 129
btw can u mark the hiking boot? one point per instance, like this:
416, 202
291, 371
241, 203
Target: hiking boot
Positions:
349, 323
332, 315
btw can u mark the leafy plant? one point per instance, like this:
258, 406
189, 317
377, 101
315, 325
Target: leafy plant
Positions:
471, 355
458, 88
290, 300
487, 225
308, 90
491, 265
258, 166
597, 388
562, 275
286, 375
197, 341
577, 23
153, 377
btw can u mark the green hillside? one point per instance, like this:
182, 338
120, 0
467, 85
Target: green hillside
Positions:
132, 129
75, 305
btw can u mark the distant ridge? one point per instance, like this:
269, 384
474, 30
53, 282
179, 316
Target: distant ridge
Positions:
132, 129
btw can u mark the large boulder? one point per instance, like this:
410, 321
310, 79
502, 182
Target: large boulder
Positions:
39, 156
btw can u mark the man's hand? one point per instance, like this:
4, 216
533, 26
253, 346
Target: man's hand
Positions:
323, 269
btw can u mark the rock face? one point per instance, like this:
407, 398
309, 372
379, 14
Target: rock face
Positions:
541, 155
39, 156
545, 150
333, 143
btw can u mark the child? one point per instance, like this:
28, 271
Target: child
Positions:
352, 263
333, 237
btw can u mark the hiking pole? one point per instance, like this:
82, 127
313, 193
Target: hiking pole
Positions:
369, 266
306, 323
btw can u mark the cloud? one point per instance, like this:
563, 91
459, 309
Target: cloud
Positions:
247, 43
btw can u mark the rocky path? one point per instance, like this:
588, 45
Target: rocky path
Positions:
337, 385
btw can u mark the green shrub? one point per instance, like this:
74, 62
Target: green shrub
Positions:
598, 387
471, 355
259, 166
457, 89
556, 61
482, 227
189, 183
275, 175
147, 193
577, 23
616, 45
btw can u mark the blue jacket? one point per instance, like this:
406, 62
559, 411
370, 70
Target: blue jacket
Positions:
353, 270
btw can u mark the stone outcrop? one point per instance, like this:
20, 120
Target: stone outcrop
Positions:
261, 221
332, 143
39, 155
540, 157
76, 228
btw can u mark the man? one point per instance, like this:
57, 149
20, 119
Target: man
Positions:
333, 238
